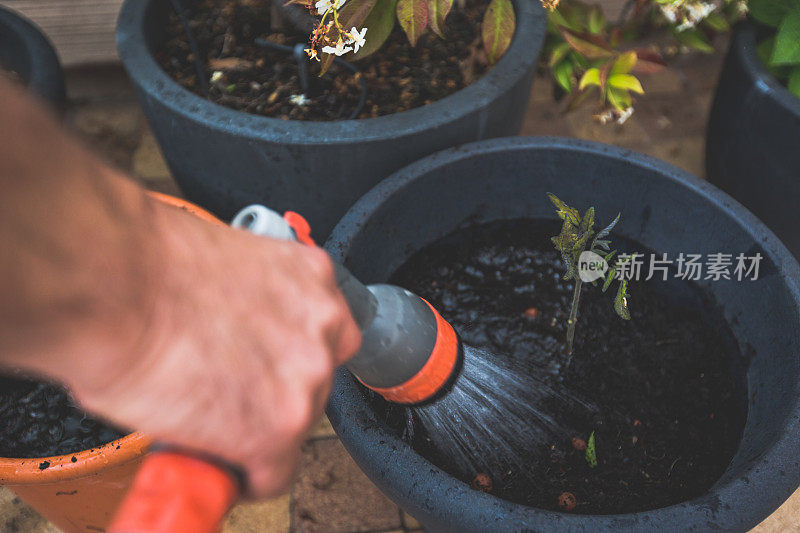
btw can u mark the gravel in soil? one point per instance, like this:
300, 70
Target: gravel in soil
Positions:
668, 384
41, 420
261, 81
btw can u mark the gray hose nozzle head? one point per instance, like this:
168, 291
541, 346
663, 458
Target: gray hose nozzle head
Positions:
408, 350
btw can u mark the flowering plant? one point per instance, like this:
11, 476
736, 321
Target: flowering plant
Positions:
342, 25
586, 53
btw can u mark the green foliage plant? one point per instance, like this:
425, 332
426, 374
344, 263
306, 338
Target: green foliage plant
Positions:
780, 52
577, 236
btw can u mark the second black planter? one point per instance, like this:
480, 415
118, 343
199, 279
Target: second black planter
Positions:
225, 159
26, 51
665, 210
753, 143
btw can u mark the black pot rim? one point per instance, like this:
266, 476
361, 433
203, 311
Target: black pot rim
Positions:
145, 71
745, 40
45, 77
373, 446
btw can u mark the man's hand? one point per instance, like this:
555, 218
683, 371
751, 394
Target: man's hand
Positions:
199, 335
237, 357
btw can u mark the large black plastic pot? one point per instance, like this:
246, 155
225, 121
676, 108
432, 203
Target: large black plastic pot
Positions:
664, 209
753, 143
25, 50
224, 159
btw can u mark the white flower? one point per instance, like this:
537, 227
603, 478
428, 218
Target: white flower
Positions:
299, 99
216, 76
669, 12
357, 38
623, 116
340, 49
324, 5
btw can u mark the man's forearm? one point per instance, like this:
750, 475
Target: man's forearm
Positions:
76, 252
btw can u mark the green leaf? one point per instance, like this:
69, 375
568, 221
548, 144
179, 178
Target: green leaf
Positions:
568, 15
607, 230
717, 22
591, 452
497, 29
563, 75
587, 224
610, 275
437, 12
589, 46
764, 49
590, 77
770, 12
621, 301
695, 39
557, 18
787, 40
794, 82
559, 52
565, 212
353, 14
624, 63
413, 18
379, 24
596, 22
619, 98
626, 81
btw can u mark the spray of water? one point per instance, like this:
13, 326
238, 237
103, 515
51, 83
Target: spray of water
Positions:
498, 417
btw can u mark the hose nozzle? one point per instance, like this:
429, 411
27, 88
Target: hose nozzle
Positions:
408, 351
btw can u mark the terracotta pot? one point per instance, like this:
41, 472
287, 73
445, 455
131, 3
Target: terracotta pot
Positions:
79, 492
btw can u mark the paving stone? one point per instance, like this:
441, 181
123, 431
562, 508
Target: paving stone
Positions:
669, 116
112, 129
272, 516
584, 126
322, 429
17, 517
98, 84
164, 186
410, 522
668, 81
542, 90
701, 71
332, 495
544, 118
148, 162
686, 153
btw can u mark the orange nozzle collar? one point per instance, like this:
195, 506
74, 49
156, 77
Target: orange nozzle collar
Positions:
300, 226
434, 374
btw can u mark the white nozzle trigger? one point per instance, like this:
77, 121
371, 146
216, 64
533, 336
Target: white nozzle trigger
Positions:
263, 221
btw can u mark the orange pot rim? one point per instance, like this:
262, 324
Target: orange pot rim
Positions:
186, 206
30, 470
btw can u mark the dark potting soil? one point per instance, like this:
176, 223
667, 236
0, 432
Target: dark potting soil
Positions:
668, 384
261, 81
41, 420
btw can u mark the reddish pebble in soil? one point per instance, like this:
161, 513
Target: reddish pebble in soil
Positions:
482, 482
567, 501
579, 444
257, 80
